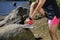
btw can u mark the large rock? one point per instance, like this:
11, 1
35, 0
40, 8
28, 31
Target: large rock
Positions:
15, 32
11, 30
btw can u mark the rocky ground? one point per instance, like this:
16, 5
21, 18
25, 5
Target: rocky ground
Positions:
40, 30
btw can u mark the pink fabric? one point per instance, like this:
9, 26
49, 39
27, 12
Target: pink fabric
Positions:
55, 21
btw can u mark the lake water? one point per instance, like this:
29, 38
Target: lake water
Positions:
6, 7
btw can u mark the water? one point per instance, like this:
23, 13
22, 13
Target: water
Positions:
6, 7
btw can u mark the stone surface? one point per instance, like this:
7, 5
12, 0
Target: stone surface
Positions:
14, 32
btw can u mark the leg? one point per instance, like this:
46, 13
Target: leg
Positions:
32, 7
42, 12
52, 27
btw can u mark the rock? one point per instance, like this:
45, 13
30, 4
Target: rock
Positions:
11, 30
14, 32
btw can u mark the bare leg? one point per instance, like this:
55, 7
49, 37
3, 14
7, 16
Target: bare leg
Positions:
33, 6
52, 30
42, 12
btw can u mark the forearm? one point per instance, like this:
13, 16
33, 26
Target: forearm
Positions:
39, 6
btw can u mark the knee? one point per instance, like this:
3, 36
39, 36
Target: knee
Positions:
33, 4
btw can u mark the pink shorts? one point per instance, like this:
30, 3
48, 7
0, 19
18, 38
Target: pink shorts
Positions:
54, 21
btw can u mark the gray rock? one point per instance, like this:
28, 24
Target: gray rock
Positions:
10, 32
